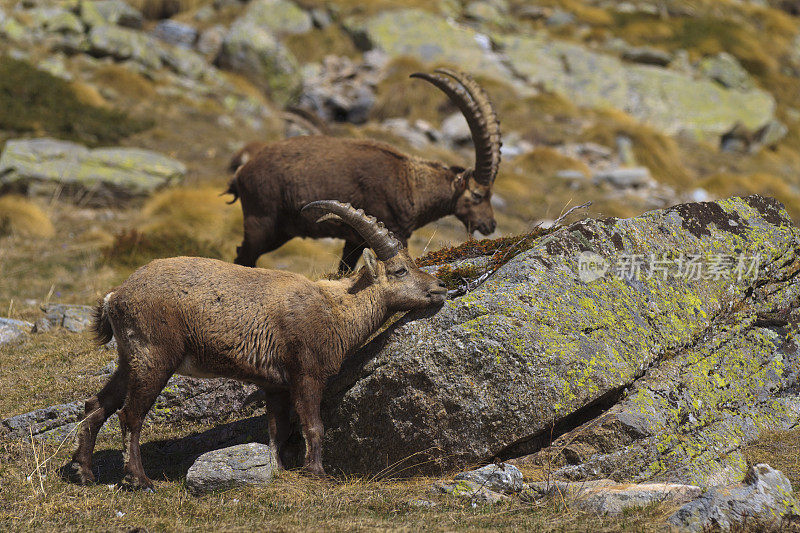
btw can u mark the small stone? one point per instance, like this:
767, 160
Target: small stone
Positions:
560, 18
726, 70
625, 178
244, 464
455, 129
119, 12
174, 32
500, 477
647, 55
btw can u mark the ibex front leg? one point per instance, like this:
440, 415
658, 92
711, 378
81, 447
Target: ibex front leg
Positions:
307, 395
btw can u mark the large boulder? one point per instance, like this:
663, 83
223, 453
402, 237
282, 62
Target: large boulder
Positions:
669, 100
690, 365
43, 165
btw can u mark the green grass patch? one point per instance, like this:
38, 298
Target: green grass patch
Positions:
32, 101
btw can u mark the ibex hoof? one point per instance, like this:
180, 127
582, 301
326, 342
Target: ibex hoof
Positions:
74, 472
133, 483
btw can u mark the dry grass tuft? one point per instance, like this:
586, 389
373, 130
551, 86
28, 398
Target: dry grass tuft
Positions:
653, 149
547, 162
400, 96
180, 221
20, 216
313, 46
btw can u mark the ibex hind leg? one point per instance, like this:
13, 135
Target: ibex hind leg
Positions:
143, 389
97, 410
260, 237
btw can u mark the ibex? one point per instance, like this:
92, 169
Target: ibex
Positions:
404, 192
207, 318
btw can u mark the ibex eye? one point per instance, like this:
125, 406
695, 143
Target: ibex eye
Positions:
401, 272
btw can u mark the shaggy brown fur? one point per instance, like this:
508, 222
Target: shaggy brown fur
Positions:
402, 191
206, 318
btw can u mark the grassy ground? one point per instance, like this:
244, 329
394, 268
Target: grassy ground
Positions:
52, 368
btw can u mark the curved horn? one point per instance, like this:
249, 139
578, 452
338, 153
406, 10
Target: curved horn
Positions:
383, 243
484, 126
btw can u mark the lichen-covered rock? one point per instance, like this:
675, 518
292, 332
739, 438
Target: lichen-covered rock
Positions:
667, 99
254, 52
617, 498
116, 12
278, 17
123, 44
432, 39
545, 343
244, 464
726, 70
42, 165
13, 330
765, 496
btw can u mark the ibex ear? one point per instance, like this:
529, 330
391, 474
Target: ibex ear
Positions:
460, 181
371, 262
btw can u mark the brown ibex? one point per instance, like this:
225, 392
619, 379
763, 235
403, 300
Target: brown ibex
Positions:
206, 318
404, 192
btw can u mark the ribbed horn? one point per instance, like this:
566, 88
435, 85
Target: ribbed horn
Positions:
481, 117
382, 242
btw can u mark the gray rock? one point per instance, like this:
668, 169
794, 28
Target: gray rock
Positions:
764, 496
254, 52
42, 165
118, 12
74, 318
647, 55
727, 71
123, 43
175, 33
244, 464
340, 90
321, 18
505, 351
13, 330
501, 477
560, 18
625, 178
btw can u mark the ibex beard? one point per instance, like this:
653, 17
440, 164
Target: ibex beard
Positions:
279, 330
